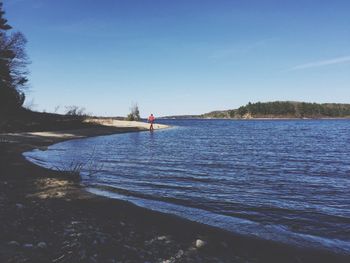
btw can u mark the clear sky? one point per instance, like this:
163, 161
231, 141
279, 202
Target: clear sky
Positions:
183, 56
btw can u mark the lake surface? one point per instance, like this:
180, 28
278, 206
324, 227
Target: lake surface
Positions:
287, 181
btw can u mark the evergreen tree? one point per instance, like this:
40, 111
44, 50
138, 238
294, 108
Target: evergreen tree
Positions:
13, 72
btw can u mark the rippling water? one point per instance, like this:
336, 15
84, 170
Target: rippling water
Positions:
287, 181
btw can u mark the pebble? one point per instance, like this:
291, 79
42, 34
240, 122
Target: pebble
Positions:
93, 259
13, 243
180, 253
224, 244
28, 246
42, 245
130, 248
200, 243
19, 206
82, 254
102, 240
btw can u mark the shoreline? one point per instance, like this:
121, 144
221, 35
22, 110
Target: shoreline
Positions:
140, 234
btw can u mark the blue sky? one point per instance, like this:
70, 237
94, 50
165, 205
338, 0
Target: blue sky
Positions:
184, 56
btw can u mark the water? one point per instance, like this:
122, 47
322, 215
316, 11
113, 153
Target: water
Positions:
287, 181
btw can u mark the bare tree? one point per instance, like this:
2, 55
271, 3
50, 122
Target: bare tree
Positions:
75, 111
134, 114
13, 66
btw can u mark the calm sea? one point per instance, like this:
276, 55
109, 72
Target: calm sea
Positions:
287, 181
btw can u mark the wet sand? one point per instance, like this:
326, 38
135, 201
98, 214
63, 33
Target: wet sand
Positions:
46, 216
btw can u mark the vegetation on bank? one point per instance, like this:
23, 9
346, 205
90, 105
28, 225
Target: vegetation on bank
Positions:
284, 109
134, 114
24, 120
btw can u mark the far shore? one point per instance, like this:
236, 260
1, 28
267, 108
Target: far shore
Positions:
254, 118
47, 217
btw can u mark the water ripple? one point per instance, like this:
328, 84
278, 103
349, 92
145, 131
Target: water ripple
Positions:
280, 180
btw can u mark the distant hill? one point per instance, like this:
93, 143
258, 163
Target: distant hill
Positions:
279, 109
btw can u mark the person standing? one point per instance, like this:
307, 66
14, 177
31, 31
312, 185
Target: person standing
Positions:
151, 120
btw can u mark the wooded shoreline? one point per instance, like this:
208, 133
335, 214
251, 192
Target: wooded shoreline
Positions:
278, 110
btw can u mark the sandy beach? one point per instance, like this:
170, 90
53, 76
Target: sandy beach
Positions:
48, 217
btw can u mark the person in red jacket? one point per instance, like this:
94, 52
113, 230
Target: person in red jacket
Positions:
151, 120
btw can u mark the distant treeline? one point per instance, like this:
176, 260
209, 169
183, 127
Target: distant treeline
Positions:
284, 109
